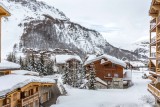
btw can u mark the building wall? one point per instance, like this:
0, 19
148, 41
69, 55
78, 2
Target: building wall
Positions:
110, 73
107, 72
28, 95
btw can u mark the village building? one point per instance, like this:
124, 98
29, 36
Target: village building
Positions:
70, 61
109, 69
154, 65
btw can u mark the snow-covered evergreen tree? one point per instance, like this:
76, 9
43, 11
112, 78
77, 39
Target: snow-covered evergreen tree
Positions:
91, 82
11, 57
66, 75
49, 68
32, 63
41, 67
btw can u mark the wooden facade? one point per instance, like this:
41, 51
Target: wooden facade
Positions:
154, 64
109, 72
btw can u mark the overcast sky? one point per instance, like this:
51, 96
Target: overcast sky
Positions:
120, 21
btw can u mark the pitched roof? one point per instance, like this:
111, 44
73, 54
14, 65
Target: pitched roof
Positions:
114, 60
6, 65
61, 59
25, 72
9, 83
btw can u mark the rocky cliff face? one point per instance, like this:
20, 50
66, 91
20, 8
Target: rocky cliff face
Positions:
44, 27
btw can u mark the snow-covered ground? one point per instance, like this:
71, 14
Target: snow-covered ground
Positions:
135, 96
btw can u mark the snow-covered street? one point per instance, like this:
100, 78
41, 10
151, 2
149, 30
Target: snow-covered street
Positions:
135, 96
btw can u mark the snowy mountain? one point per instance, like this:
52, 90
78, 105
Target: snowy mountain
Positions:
40, 26
141, 46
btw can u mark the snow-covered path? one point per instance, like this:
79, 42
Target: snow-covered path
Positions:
131, 97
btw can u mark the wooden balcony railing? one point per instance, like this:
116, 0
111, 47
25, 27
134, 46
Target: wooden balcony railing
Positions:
158, 37
158, 21
153, 24
30, 99
7, 105
155, 91
158, 54
152, 78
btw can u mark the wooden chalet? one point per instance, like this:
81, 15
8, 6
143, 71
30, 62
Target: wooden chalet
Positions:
70, 61
26, 91
154, 65
108, 68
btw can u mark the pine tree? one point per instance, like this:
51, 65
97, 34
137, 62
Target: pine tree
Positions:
41, 67
21, 63
66, 78
11, 57
49, 68
32, 63
92, 80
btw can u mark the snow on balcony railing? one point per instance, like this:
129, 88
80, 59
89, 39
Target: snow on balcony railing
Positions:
153, 55
154, 90
153, 40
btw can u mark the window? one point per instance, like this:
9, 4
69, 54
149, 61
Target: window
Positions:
36, 89
26, 93
116, 75
113, 65
108, 75
14, 96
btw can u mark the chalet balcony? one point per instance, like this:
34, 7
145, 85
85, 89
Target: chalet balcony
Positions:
158, 54
158, 37
153, 55
7, 105
153, 90
153, 25
29, 99
153, 41
152, 78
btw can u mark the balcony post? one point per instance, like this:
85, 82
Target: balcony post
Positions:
0, 39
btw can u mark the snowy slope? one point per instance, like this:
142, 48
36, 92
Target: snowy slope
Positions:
135, 96
37, 25
23, 11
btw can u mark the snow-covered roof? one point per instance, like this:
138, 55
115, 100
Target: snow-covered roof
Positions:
136, 63
8, 65
61, 59
101, 81
9, 83
114, 60
3, 6
25, 72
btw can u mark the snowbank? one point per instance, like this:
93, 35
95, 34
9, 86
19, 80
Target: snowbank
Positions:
135, 96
